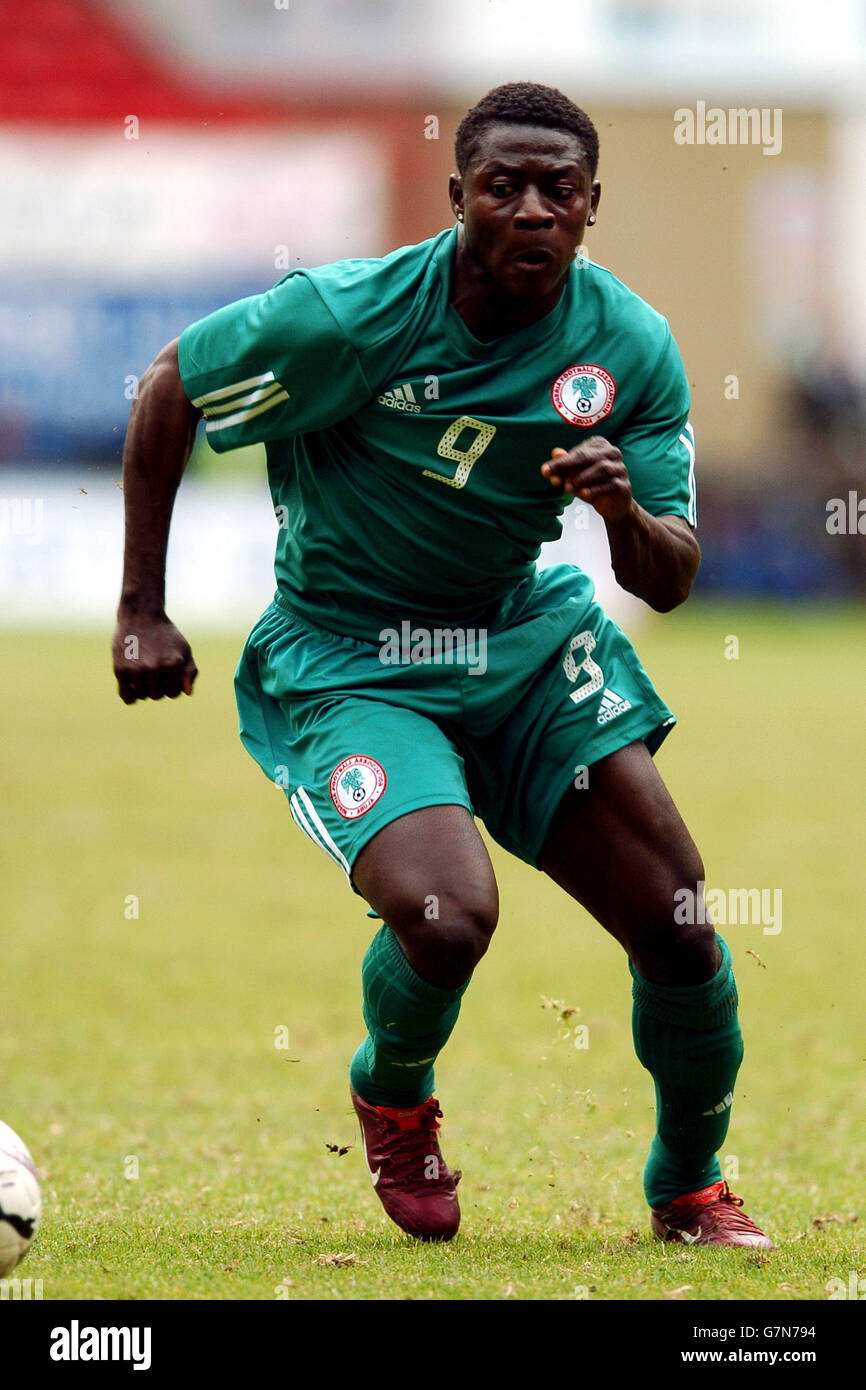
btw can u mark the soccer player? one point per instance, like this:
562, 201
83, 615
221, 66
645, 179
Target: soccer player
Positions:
427, 417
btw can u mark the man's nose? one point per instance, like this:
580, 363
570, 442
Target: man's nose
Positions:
532, 209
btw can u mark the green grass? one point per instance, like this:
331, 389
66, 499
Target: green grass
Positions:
153, 1038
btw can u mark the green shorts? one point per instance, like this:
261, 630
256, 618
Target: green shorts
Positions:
502, 722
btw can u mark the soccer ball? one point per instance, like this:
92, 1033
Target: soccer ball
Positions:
20, 1200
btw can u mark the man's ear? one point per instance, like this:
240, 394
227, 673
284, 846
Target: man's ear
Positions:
455, 196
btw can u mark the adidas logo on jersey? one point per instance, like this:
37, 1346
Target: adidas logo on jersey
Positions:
612, 705
401, 398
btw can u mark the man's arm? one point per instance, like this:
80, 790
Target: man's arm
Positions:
654, 557
151, 657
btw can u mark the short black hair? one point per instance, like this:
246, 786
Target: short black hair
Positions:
525, 103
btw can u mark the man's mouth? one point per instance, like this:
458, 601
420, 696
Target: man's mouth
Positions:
533, 257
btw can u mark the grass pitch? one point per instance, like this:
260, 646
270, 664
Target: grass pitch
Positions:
185, 1154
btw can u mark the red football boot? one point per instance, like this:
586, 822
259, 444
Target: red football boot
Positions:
712, 1216
409, 1173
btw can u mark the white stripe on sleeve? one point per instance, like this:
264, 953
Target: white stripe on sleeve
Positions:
241, 416
235, 389
688, 440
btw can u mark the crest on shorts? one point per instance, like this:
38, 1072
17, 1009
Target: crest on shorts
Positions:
584, 394
356, 784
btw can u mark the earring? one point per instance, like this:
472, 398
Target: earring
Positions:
460, 217
590, 220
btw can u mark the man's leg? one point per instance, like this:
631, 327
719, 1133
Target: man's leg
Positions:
619, 846
429, 877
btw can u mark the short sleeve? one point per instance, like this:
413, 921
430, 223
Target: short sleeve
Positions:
658, 442
271, 366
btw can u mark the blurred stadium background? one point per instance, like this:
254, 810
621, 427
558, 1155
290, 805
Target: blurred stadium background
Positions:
158, 160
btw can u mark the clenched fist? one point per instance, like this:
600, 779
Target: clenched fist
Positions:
151, 659
594, 472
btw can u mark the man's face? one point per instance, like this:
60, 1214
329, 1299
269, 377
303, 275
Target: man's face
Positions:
526, 197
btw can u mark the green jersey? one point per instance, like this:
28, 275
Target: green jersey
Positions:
404, 455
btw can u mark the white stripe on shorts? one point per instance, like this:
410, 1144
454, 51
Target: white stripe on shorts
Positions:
301, 806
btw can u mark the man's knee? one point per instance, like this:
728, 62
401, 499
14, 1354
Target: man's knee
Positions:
430, 879
444, 935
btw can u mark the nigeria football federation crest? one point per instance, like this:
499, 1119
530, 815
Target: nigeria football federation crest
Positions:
356, 785
583, 395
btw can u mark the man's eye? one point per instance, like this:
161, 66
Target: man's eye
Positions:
501, 189
564, 190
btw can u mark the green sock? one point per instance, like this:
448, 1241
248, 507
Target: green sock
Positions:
409, 1023
688, 1038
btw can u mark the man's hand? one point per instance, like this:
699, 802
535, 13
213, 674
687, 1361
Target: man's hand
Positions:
594, 472
151, 659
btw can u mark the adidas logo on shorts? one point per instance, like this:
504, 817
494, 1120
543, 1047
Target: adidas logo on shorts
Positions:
611, 706
400, 398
